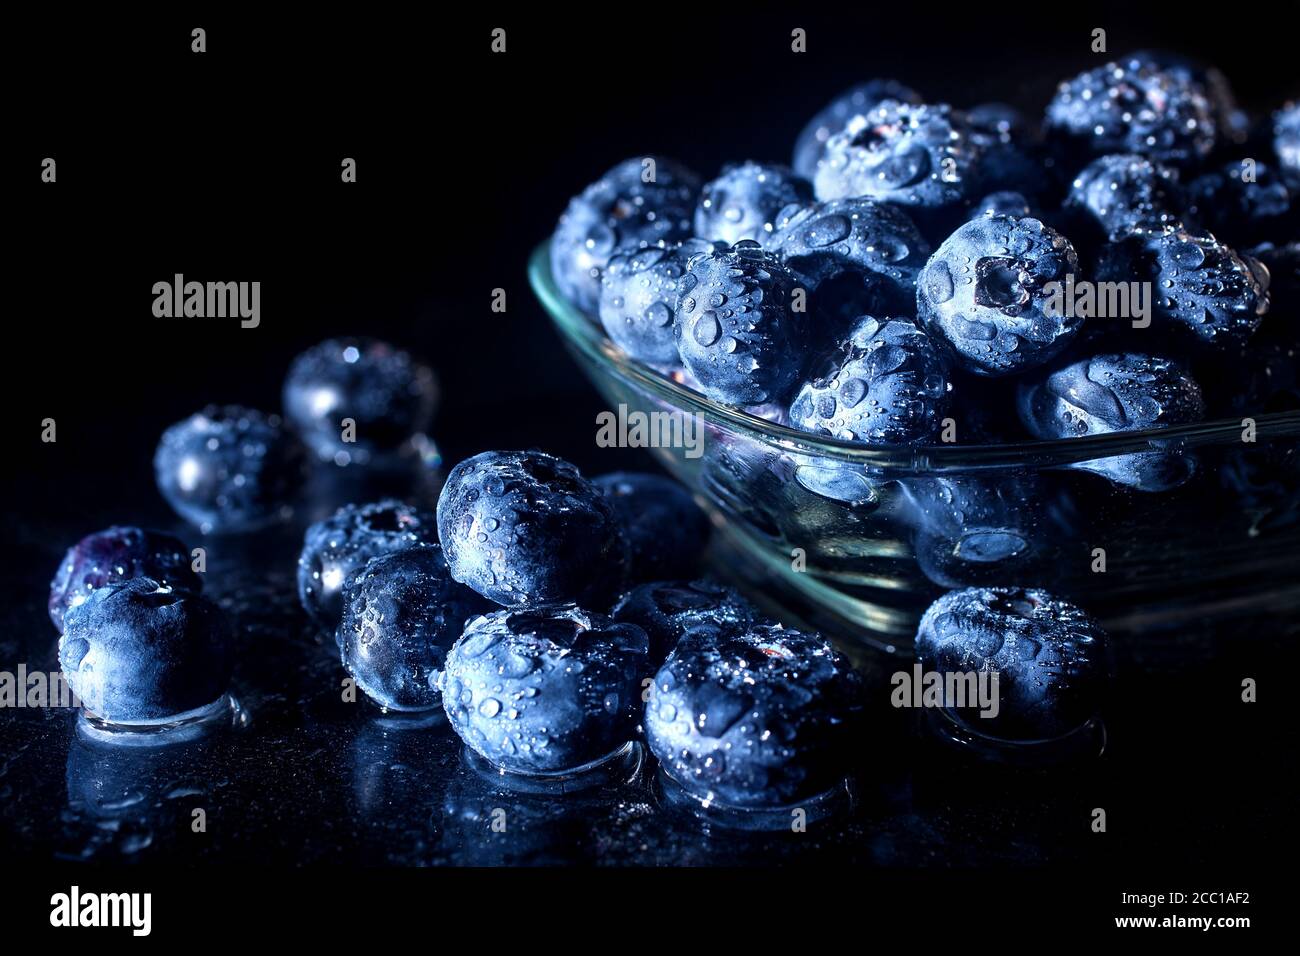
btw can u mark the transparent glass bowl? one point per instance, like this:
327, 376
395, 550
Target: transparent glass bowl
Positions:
859, 539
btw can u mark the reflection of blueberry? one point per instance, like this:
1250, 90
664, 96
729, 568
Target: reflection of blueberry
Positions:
388, 395
1121, 193
1116, 393
831, 118
762, 717
546, 690
735, 330
664, 527
228, 469
1049, 655
887, 384
114, 555
1286, 142
638, 298
854, 257
527, 528
624, 209
332, 549
1241, 203
743, 202
987, 292
666, 610
140, 651
401, 614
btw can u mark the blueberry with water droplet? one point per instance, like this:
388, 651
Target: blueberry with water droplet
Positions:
665, 529
831, 118
332, 549
118, 554
1049, 655
546, 690
229, 469
641, 202
754, 718
401, 614
524, 527
1008, 156
1244, 201
388, 396
140, 651
667, 610
1120, 193
744, 201
992, 293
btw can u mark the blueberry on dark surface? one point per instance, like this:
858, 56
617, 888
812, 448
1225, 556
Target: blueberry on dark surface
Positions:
665, 529
402, 612
736, 333
1050, 658
118, 554
1003, 203
832, 117
760, 717
1116, 393
988, 293
744, 201
1121, 193
332, 549
640, 202
912, 155
387, 395
854, 257
1135, 106
1244, 202
141, 651
1286, 143
545, 691
666, 610
1202, 291
886, 384
638, 298
524, 527
229, 469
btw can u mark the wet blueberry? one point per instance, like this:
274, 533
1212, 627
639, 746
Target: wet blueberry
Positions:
118, 554
229, 469
1283, 264
1244, 202
388, 396
760, 717
886, 384
332, 549
1286, 143
1121, 193
523, 527
859, 99
545, 691
735, 330
1116, 393
666, 610
640, 202
1003, 203
401, 614
665, 529
1050, 658
141, 651
1008, 159
991, 292
744, 201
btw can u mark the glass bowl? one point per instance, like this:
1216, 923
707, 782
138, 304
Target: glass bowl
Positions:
858, 539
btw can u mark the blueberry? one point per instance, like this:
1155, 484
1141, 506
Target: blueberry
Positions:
401, 614
229, 469
1243, 202
1203, 292
140, 650
831, 118
332, 549
913, 155
987, 292
761, 717
545, 691
1283, 265
388, 395
1007, 160
1286, 143
1135, 106
1116, 393
1050, 658
735, 331
118, 554
1232, 123
887, 384
744, 201
666, 610
1004, 203
640, 202
638, 298
526, 528
854, 257
665, 529
1122, 193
